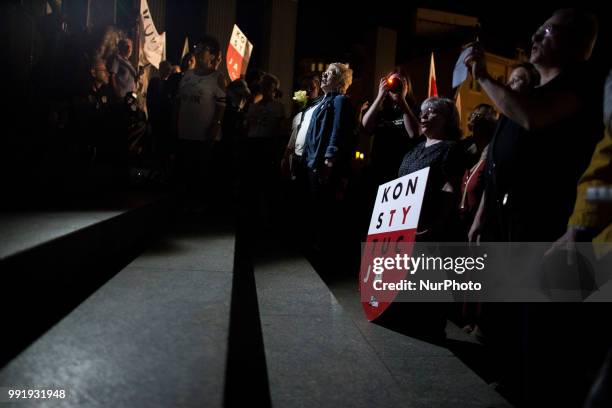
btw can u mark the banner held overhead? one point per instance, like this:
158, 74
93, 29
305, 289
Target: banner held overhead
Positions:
238, 54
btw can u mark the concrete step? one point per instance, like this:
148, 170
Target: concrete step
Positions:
321, 351
429, 375
155, 335
315, 354
51, 260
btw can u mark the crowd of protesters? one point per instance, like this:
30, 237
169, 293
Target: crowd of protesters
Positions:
520, 176
514, 179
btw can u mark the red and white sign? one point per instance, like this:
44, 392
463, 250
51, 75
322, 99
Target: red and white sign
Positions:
392, 232
238, 54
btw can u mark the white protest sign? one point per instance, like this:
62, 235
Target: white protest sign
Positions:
152, 43
392, 230
398, 203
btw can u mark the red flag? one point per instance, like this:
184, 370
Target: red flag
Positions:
433, 89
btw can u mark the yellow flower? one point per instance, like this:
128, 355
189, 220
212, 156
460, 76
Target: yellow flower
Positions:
300, 97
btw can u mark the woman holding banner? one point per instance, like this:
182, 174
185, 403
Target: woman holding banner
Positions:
439, 219
439, 124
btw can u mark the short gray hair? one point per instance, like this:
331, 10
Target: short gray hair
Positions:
447, 108
345, 73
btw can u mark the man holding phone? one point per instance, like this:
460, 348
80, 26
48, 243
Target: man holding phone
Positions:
560, 124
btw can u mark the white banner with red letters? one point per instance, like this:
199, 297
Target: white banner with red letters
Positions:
392, 231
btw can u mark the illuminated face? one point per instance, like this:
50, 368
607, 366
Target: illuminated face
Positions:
550, 43
432, 123
330, 80
519, 80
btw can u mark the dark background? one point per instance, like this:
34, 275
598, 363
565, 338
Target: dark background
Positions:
337, 30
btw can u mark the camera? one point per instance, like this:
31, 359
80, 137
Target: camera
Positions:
395, 85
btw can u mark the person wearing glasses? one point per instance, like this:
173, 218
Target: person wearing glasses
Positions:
537, 159
439, 150
550, 133
326, 157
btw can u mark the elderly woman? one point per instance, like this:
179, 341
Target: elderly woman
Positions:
331, 127
439, 123
326, 152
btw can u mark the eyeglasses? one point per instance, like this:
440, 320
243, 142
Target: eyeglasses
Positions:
428, 112
513, 81
477, 115
547, 30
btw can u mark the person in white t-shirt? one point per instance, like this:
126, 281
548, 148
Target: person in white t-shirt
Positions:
200, 105
201, 97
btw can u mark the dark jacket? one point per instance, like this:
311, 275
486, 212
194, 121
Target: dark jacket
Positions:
330, 130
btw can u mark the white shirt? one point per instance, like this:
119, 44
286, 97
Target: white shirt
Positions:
198, 95
300, 138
